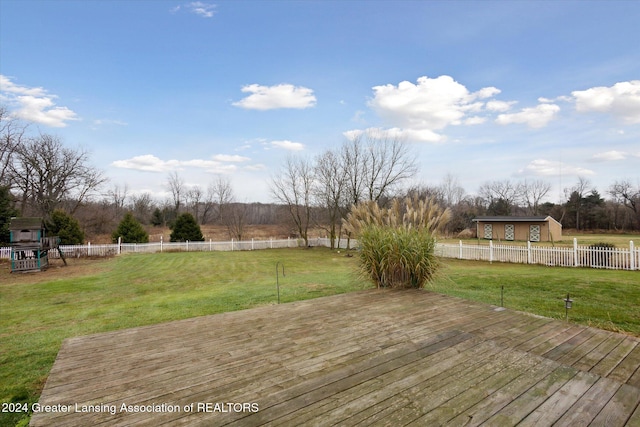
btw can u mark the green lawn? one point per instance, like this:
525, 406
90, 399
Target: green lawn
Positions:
607, 299
38, 311
134, 290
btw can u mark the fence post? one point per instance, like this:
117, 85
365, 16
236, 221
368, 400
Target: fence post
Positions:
88, 248
632, 264
210, 245
490, 251
252, 243
460, 249
232, 244
161, 243
528, 252
575, 252
119, 245
271, 242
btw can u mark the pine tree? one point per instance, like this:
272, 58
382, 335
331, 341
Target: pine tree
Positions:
66, 227
7, 211
130, 230
186, 228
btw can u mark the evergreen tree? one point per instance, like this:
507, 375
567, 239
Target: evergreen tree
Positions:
66, 227
130, 230
157, 218
7, 211
186, 228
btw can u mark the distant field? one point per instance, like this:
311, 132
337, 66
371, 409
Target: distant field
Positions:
40, 310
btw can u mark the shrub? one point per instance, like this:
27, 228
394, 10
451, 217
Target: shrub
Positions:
186, 228
397, 257
397, 247
66, 227
130, 230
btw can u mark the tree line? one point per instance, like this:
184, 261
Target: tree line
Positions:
379, 167
40, 175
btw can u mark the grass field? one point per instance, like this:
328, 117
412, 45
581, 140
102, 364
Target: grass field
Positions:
607, 299
40, 310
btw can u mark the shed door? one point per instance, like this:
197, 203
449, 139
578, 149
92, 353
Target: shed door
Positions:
488, 231
534, 233
509, 232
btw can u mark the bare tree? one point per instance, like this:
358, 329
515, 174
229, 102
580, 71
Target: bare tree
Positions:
235, 218
376, 163
452, 191
11, 135
176, 187
141, 205
49, 174
500, 193
193, 198
118, 196
575, 198
293, 187
219, 195
329, 190
629, 195
532, 193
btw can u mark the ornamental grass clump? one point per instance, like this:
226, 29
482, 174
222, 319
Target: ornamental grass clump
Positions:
397, 244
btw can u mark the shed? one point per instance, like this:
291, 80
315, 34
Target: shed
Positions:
527, 228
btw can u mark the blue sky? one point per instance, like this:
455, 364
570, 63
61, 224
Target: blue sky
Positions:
480, 90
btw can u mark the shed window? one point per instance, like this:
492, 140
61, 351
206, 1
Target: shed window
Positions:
534, 233
509, 232
488, 231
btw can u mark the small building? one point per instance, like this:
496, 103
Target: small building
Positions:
526, 228
29, 245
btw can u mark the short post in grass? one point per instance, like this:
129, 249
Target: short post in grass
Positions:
278, 278
502, 296
568, 302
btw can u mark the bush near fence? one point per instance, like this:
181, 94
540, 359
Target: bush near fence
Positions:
576, 256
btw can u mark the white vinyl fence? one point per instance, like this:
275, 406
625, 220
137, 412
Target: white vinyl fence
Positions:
576, 256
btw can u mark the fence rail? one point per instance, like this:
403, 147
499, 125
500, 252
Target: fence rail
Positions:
576, 256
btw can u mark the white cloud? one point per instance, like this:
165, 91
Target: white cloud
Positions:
499, 106
107, 122
622, 100
542, 167
475, 120
151, 163
278, 96
146, 162
610, 155
288, 145
206, 10
256, 168
534, 117
230, 158
34, 104
431, 105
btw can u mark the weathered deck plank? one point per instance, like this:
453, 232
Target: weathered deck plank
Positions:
366, 358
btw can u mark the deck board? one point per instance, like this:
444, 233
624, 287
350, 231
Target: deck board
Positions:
374, 357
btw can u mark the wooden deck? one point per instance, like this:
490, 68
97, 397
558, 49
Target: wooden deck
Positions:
373, 357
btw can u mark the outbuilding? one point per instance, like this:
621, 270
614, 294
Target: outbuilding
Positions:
526, 228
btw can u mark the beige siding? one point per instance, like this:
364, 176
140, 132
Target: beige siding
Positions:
549, 230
